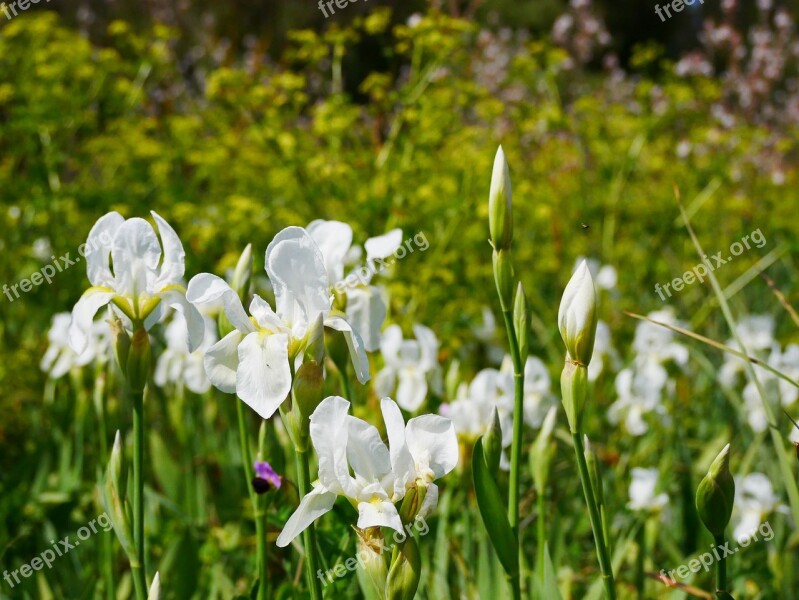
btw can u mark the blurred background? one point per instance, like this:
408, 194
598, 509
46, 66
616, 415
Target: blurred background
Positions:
234, 120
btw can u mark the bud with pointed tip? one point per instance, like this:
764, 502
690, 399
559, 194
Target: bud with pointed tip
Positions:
155, 588
577, 317
492, 443
243, 274
112, 493
715, 495
121, 342
543, 451
500, 209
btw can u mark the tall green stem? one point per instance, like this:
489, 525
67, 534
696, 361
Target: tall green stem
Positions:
721, 566
309, 534
137, 567
594, 515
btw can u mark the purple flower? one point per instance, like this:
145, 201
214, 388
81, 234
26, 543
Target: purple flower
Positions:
265, 478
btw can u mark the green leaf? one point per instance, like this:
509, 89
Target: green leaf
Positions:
547, 582
492, 510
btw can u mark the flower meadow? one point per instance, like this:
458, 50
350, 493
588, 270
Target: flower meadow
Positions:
390, 328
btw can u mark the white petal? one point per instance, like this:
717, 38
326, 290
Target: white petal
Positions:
83, 313
206, 289
222, 362
297, 271
263, 379
401, 459
429, 503
194, 320
383, 246
135, 254
390, 344
264, 315
314, 505
412, 389
432, 440
385, 382
172, 266
98, 248
366, 311
329, 434
357, 352
429, 344
366, 452
334, 239
378, 514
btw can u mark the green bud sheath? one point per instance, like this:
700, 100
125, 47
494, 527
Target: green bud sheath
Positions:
521, 322
308, 388
715, 495
405, 572
503, 276
574, 389
139, 360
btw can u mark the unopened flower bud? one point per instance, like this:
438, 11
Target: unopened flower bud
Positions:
520, 321
492, 443
577, 316
500, 210
715, 495
243, 274
308, 389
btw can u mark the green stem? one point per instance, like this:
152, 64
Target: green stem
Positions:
542, 533
639, 560
346, 388
260, 532
516, 447
137, 566
594, 516
721, 566
309, 534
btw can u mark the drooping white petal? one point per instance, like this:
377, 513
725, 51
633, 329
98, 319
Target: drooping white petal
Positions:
366, 311
174, 258
378, 514
83, 313
194, 320
366, 452
334, 239
314, 505
98, 248
222, 362
206, 289
135, 253
412, 388
357, 352
383, 246
263, 378
401, 460
297, 271
433, 443
329, 434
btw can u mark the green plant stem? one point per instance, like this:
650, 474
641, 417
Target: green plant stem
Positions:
259, 510
346, 388
542, 533
309, 534
516, 447
138, 566
721, 566
639, 560
594, 516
